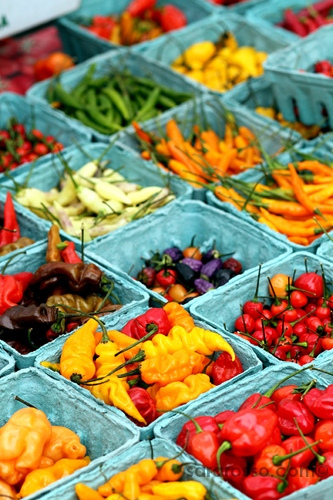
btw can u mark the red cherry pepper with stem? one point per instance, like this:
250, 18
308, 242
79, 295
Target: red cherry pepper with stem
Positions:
233, 469
253, 307
298, 443
320, 401
311, 284
203, 445
288, 411
264, 487
206, 424
166, 277
224, 368
154, 320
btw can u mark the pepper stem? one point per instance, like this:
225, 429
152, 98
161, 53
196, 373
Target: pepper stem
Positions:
145, 337
225, 446
270, 391
278, 459
17, 398
320, 458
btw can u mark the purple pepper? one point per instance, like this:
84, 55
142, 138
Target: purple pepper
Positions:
222, 277
202, 286
210, 268
194, 264
213, 253
175, 253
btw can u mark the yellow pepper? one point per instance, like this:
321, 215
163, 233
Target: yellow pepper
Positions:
64, 443
191, 490
40, 478
76, 361
143, 472
167, 368
7, 491
84, 492
198, 54
178, 393
51, 366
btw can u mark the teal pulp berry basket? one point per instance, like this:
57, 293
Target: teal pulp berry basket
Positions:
113, 62
241, 7
128, 293
246, 32
83, 44
52, 353
291, 72
43, 118
325, 250
272, 13
231, 400
209, 112
217, 489
7, 363
65, 408
320, 148
260, 93
50, 173
221, 307
189, 220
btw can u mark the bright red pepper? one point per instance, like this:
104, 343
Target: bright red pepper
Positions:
296, 443
263, 487
320, 402
144, 403
233, 469
138, 7
166, 277
286, 392
203, 445
153, 321
256, 400
300, 477
11, 229
127, 329
311, 284
23, 278
264, 460
189, 429
69, 254
172, 18
224, 368
11, 292
326, 469
223, 416
289, 410
324, 432
248, 431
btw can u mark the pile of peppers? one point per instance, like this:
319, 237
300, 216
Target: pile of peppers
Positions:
159, 361
275, 443
34, 453
160, 478
35, 308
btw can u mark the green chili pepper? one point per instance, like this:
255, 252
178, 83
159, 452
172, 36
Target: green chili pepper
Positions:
149, 104
65, 98
118, 101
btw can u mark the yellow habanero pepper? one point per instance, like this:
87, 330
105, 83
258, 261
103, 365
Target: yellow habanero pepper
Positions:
64, 443
7, 491
40, 478
84, 492
177, 315
178, 393
198, 54
143, 472
191, 490
76, 361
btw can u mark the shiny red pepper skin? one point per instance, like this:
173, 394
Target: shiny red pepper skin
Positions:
295, 443
144, 403
154, 320
286, 392
287, 411
204, 446
172, 18
223, 416
326, 469
127, 329
300, 478
224, 368
262, 487
69, 254
11, 229
320, 402
188, 429
249, 430
11, 292
324, 433
233, 469
138, 7
166, 277
257, 400
311, 284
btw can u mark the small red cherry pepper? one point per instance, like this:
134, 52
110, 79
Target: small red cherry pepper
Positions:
166, 277
320, 402
288, 411
189, 429
153, 321
144, 403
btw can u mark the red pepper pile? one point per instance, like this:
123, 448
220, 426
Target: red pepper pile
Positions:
18, 146
141, 21
324, 68
180, 275
275, 444
297, 326
309, 19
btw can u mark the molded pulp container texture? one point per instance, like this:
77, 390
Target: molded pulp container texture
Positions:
177, 225
256, 93
131, 296
209, 112
66, 408
158, 447
321, 148
30, 226
325, 251
52, 353
231, 400
133, 168
43, 118
7, 363
221, 307
241, 7
82, 44
247, 33
271, 13
109, 63
296, 84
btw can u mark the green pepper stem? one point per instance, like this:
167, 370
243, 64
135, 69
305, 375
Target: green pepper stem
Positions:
225, 446
273, 389
278, 459
320, 458
145, 337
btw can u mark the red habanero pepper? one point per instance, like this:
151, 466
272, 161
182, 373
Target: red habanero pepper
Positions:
327, 469
300, 477
68, 252
233, 469
324, 432
138, 7
203, 445
144, 403
297, 443
11, 292
223, 416
288, 411
153, 321
224, 368
286, 392
320, 402
256, 400
166, 277
247, 432
172, 18
265, 460
11, 230
189, 429
263, 487
127, 329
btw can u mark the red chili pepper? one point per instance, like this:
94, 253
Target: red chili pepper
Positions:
247, 432
223, 416
203, 445
286, 392
166, 277
138, 7
11, 292
224, 368
172, 18
296, 443
233, 469
324, 432
189, 429
23, 278
292, 23
144, 403
263, 487
288, 411
300, 478
256, 400
320, 402
127, 329
153, 321
312, 284
11, 230
68, 252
